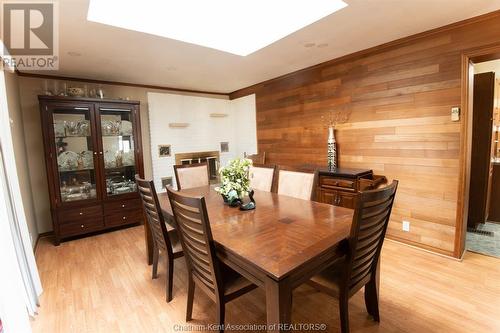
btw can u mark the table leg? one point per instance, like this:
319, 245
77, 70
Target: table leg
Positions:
278, 304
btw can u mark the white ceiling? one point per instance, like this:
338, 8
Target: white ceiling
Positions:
114, 54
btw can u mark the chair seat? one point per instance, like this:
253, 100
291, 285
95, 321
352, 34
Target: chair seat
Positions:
328, 280
174, 237
176, 243
234, 284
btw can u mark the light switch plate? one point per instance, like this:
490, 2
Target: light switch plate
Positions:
455, 113
406, 226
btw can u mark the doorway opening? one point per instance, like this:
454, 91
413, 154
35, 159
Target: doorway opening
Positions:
483, 218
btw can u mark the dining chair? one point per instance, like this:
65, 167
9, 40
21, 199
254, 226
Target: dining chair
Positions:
256, 158
165, 237
262, 177
297, 182
191, 175
221, 283
357, 269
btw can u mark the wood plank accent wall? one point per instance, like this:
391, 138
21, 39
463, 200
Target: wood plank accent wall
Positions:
400, 97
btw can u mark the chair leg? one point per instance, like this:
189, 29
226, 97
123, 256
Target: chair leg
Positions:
371, 300
170, 277
156, 254
190, 297
344, 313
221, 309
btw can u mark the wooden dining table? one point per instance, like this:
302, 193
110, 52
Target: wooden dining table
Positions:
278, 246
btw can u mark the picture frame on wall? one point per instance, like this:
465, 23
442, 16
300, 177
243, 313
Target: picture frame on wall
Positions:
224, 147
164, 151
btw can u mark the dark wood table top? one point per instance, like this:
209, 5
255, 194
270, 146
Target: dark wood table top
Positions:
280, 235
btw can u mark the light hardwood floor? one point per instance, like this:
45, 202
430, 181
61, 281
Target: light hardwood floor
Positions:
103, 284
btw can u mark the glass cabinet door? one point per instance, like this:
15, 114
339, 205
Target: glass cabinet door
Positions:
75, 151
117, 129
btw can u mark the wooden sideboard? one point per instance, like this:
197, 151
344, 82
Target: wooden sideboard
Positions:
340, 186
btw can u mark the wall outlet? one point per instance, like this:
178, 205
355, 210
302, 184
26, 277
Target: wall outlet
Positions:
406, 226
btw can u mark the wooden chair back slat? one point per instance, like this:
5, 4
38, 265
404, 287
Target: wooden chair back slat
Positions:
185, 211
372, 224
194, 235
373, 210
362, 264
367, 249
192, 232
367, 238
197, 251
203, 263
367, 259
208, 286
360, 280
198, 247
203, 269
191, 219
376, 210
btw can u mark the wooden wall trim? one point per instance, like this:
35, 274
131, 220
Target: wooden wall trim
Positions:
118, 83
428, 249
353, 56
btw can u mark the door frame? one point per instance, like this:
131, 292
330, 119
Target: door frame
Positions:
469, 57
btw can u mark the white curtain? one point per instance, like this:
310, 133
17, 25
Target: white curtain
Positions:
19, 280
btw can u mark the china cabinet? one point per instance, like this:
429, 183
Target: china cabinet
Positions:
92, 152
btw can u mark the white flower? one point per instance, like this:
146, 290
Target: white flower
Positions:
235, 179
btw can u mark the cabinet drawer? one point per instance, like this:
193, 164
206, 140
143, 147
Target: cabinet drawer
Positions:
347, 200
116, 207
337, 198
124, 217
82, 227
80, 214
336, 182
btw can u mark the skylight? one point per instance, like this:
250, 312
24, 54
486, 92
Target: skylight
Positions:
235, 26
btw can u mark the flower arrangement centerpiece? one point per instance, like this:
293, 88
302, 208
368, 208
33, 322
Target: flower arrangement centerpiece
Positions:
235, 182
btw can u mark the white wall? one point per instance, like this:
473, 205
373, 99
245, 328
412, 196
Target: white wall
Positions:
204, 133
245, 125
20, 152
